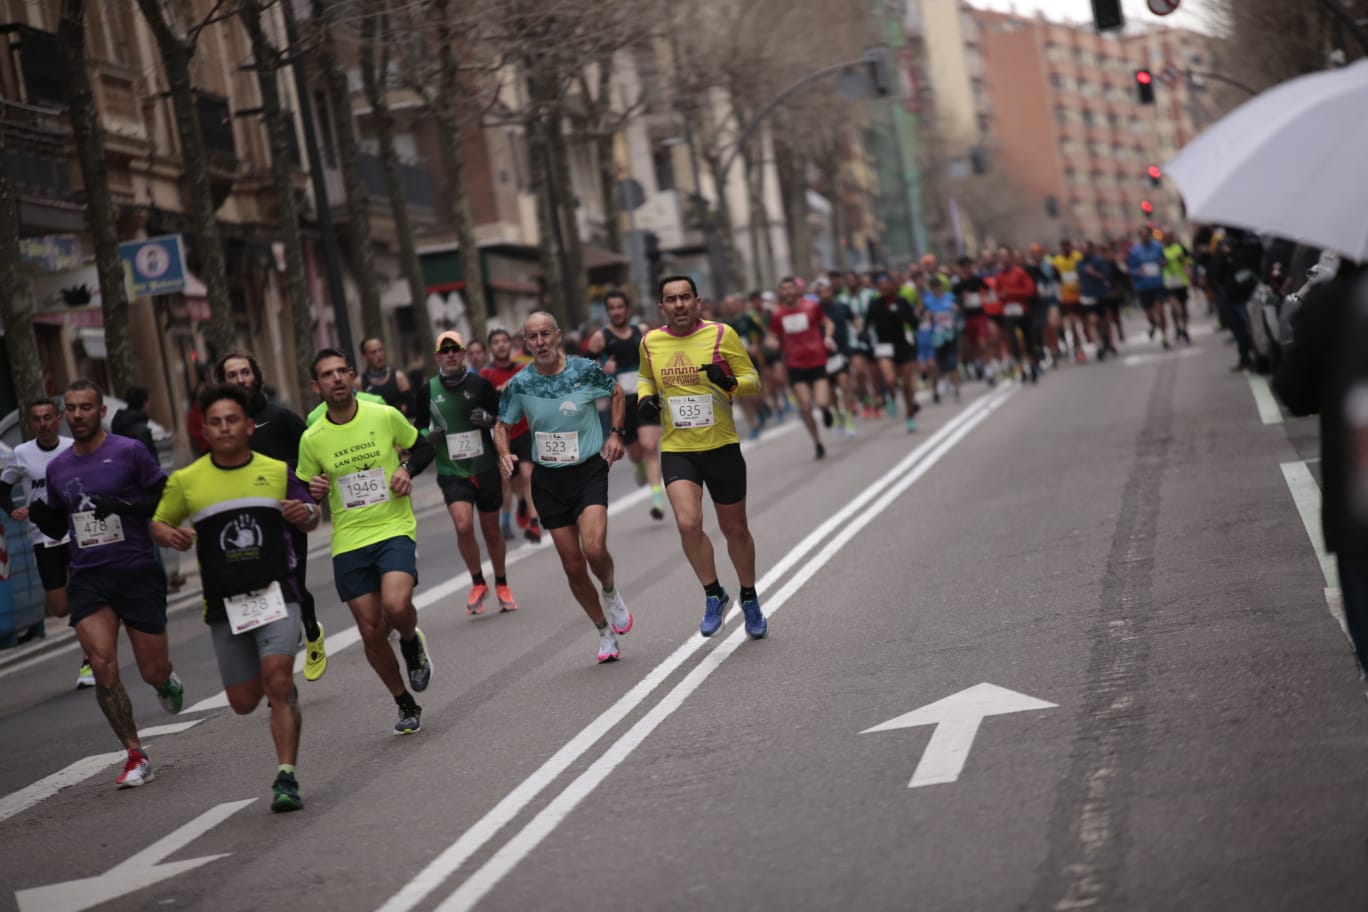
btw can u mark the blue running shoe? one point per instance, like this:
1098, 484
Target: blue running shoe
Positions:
713, 611
756, 625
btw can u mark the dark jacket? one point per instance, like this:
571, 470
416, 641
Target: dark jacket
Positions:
1313, 376
277, 430
129, 422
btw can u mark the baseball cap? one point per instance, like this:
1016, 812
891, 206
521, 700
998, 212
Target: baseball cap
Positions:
768, 297
451, 337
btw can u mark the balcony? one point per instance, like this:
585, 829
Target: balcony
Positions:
38, 160
419, 191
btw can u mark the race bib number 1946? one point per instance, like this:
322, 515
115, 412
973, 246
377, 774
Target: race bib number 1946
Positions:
363, 489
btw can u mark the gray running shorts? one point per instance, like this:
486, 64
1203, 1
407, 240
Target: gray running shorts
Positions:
239, 655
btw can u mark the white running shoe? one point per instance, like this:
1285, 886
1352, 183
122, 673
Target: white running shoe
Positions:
136, 771
608, 647
619, 618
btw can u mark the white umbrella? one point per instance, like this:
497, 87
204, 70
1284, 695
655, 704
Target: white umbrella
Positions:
1292, 162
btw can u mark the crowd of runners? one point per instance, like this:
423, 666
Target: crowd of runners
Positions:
522, 426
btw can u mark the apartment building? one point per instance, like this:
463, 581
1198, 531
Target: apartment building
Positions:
1068, 126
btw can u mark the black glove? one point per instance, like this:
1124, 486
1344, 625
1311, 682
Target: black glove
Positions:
718, 376
50, 520
105, 505
481, 418
648, 408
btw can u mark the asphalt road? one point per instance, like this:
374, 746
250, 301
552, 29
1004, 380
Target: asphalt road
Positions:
1106, 578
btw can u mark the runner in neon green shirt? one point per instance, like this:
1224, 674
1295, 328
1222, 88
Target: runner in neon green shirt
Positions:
1177, 280
351, 456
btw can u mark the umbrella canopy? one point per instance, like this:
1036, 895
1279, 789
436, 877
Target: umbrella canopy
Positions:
1292, 162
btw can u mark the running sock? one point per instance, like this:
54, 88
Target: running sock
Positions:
609, 591
311, 632
748, 594
601, 625
409, 647
286, 768
501, 581
658, 494
406, 702
714, 590
477, 579
505, 517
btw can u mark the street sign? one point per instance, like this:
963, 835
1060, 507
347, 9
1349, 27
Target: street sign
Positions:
632, 194
157, 265
957, 719
141, 870
1163, 7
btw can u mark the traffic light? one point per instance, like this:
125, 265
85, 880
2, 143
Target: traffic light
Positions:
1154, 174
1107, 15
881, 71
1147, 207
1144, 85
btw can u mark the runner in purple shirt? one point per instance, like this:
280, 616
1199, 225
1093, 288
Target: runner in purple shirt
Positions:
104, 490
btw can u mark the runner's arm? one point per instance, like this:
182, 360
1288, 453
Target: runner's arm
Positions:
742, 367
422, 409
144, 505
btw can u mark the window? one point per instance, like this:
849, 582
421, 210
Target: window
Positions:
1087, 117
1056, 80
662, 159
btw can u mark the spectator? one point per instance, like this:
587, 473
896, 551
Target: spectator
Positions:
132, 421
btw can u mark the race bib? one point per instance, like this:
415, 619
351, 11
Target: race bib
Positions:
835, 363
1088, 302
92, 532
1174, 281
558, 447
1149, 269
256, 608
945, 318
794, 323
363, 489
691, 411
973, 301
465, 445
883, 350
1013, 310
1069, 278
628, 382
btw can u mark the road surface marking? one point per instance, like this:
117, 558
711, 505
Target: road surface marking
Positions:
80, 771
142, 870
512, 804
1156, 357
488, 875
1306, 494
1269, 413
957, 719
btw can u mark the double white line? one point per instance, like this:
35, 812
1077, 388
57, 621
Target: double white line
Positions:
850, 520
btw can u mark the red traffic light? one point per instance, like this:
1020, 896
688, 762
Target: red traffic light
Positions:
1154, 172
1144, 77
1147, 207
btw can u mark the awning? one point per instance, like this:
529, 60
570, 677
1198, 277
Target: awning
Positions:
442, 272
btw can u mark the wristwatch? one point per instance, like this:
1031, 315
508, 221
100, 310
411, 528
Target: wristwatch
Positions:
405, 466
620, 431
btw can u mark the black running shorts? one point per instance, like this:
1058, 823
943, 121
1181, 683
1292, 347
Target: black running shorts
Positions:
722, 471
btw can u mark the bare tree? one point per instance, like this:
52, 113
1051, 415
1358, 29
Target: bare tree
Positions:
374, 76
16, 295
268, 64
177, 47
104, 229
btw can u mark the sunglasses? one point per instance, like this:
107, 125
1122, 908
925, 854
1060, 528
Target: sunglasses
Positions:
449, 349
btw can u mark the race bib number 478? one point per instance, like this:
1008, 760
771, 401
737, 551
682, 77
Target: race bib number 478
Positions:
92, 532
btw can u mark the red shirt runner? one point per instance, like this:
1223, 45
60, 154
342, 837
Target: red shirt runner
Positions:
499, 376
799, 330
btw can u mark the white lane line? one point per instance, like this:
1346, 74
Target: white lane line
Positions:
1156, 357
487, 877
1264, 400
78, 772
512, 804
1306, 494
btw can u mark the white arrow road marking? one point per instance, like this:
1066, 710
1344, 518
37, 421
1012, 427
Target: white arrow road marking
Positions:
142, 870
957, 719
80, 771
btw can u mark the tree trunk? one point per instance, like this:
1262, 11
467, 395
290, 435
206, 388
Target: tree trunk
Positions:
176, 52
838, 220
569, 208
349, 157
374, 80
296, 285
791, 168
724, 226
548, 247
448, 121
761, 248
608, 188
16, 297
104, 229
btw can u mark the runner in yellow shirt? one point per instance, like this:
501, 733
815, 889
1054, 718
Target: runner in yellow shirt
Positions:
1067, 264
691, 369
351, 457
